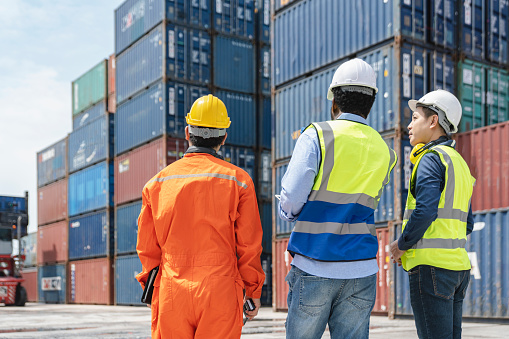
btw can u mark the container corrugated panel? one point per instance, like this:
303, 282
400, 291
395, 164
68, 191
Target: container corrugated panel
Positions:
52, 163
126, 227
161, 108
89, 115
234, 17
52, 243
266, 219
134, 18
29, 249
382, 277
265, 123
30, 283
497, 23
264, 20
52, 202
91, 235
401, 285
488, 291
486, 153
282, 261
234, 66
385, 210
135, 168
52, 284
91, 281
112, 103
265, 176
91, 143
199, 55
473, 30
264, 72
443, 25
90, 88
241, 157
266, 298
90, 189
497, 95
127, 289
242, 111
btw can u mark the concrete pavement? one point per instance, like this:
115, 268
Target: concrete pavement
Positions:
115, 322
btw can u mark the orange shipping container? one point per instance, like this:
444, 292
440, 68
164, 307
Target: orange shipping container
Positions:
382, 278
30, 283
52, 202
135, 168
281, 267
112, 96
91, 281
52, 243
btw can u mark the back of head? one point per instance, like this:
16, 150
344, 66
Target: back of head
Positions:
353, 87
208, 120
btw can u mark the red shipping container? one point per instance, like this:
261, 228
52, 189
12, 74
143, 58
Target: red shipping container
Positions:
91, 281
52, 243
112, 103
486, 151
30, 283
383, 277
52, 202
135, 168
111, 74
281, 267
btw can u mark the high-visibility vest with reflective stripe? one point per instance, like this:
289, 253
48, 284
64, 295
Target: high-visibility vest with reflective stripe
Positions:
337, 221
443, 244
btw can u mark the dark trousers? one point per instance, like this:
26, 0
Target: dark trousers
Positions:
436, 295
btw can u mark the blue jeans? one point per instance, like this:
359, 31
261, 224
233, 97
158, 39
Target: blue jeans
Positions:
436, 295
314, 302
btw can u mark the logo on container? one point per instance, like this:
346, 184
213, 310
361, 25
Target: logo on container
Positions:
135, 13
75, 224
51, 284
49, 154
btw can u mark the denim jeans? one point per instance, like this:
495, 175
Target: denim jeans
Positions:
436, 295
314, 302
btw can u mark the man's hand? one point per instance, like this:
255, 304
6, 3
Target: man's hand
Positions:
251, 314
396, 253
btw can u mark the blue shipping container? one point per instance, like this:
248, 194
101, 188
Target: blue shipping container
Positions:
187, 58
264, 176
264, 72
91, 189
234, 65
242, 111
89, 115
52, 163
234, 17
126, 227
127, 289
266, 298
263, 21
51, 281
266, 219
10, 209
91, 143
264, 123
91, 236
241, 157
160, 109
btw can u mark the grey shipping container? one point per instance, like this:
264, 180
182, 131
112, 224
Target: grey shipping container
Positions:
91, 143
52, 284
304, 41
127, 289
160, 109
403, 72
89, 115
185, 54
91, 235
52, 163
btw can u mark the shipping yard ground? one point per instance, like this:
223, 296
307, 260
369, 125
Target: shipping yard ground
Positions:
97, 321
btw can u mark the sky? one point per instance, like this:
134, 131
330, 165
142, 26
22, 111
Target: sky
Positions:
44, 46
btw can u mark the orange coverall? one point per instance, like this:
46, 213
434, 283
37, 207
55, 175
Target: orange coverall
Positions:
199, 223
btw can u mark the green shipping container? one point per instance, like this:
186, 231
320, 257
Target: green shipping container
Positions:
484, 94
90, 88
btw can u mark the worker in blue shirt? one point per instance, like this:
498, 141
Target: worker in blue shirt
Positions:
437, 218
331, 189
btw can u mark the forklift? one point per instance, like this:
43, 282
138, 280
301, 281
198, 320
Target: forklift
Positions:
13, 225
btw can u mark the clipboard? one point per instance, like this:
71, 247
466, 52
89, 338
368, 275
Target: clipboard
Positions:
146, 297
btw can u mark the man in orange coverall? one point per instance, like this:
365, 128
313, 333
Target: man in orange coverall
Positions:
200, 224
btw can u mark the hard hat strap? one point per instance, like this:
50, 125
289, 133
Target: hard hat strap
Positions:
205, 132
358, 89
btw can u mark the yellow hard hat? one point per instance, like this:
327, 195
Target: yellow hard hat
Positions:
208, 111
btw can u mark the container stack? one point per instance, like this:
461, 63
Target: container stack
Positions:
414, 48
90, 191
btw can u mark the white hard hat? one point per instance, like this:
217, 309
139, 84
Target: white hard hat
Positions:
443, 103
355, 72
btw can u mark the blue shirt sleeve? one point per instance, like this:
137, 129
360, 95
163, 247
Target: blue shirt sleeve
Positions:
429, 184
300, 176
470, 221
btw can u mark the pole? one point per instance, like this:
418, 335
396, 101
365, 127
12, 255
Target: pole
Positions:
19, 244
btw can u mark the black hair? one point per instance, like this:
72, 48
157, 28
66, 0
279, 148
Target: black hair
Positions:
353, 102
206, 142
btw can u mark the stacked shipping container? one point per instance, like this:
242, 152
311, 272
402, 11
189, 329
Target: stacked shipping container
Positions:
414, 48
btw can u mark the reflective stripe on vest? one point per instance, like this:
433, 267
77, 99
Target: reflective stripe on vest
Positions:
443, 243
335, 225
198, 175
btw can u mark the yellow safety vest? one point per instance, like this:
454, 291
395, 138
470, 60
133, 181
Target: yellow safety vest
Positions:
443, 244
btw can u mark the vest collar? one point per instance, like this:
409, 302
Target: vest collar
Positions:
206, 150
